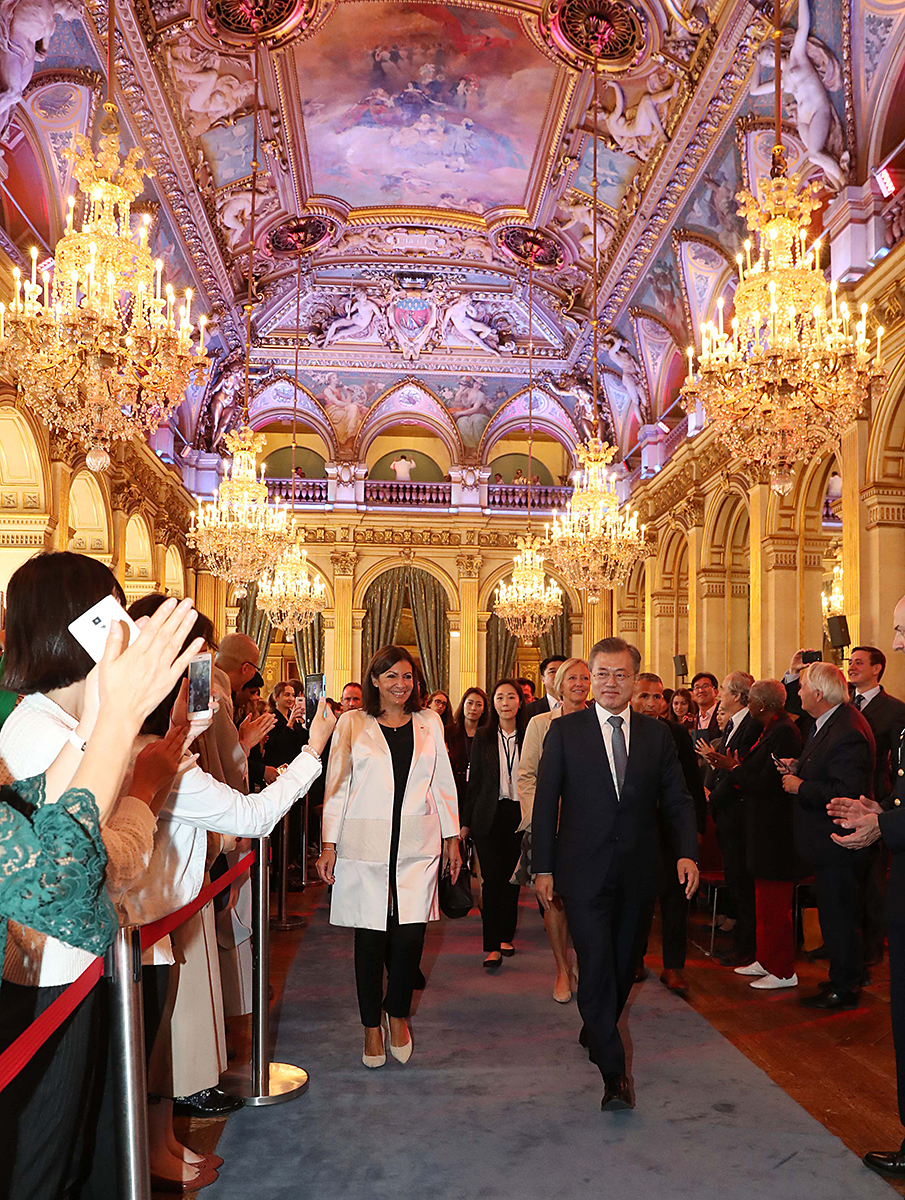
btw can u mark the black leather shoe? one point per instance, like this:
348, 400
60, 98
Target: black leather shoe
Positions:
583, 1038
492, 963
420, 982
826, 986
211, 1102
817, 955
830, 1001
734, 958
617, 1094
889, 1162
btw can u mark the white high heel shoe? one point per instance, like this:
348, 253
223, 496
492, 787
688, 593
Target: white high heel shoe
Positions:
401, 1053
376, 1060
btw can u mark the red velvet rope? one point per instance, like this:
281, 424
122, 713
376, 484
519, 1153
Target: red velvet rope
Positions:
17, 1055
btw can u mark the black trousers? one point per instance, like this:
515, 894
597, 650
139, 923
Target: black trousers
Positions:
498, 852
46, 1111
674, 924
896, 936
99, 1173
608, 932
730, 835
873, 923
839, 890
398, 949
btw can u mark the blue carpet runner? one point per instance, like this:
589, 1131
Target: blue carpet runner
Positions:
499, 1101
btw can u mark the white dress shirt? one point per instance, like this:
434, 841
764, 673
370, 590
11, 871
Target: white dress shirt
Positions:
821, 721
552, 701
508, 778
603, 716
734, 721
868, 696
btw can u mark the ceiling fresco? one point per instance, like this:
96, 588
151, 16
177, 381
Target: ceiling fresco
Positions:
406, 147
420, 104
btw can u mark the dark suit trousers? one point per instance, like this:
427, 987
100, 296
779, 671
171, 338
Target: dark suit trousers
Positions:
873, 926
896, 937
730, 834
608, 933
498, 853
839, 890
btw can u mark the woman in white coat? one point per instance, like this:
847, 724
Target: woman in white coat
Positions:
390, 818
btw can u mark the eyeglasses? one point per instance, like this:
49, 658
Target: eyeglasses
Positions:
618, 676
703, 687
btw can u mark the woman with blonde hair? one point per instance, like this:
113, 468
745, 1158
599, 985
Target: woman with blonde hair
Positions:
571, 686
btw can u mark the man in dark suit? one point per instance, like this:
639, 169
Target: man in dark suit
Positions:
548, 702
868, 821
603, 776
886, 717
726, 804
646, 700
837, 760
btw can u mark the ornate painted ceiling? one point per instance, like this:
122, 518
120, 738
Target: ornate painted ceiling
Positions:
404, 148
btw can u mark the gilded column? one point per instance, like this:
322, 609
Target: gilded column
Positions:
699, 618
469, 582
852, 462
597, 619
63, 453
760, 654
343, 581
210, 599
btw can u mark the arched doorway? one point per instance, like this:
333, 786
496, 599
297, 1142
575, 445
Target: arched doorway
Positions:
409, 607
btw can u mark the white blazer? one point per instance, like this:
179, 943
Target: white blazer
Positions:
358, 818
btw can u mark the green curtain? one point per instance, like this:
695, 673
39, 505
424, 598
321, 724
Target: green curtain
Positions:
429, 608
309, 647
255, 623
558, 638
501, 651
383, 604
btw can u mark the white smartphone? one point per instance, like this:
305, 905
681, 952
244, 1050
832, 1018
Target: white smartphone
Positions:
90, 630
200, 672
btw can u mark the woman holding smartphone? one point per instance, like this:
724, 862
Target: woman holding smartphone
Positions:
390, 821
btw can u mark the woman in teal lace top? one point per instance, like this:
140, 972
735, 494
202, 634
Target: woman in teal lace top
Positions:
52, 864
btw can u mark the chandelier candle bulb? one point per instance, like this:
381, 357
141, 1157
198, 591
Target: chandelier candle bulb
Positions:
158, 267
879, 359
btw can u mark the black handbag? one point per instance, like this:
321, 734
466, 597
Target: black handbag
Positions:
455, 898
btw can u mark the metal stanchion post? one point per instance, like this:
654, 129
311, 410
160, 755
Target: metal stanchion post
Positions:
304, 854
284, 919
129, 1050
269, 1082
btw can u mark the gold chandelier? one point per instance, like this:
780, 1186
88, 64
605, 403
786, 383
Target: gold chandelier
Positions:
594, 544
529, 605
833, 601
240, 534
101, 352
794, 367
287, 593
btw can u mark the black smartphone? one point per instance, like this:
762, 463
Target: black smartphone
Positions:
315, 690
811, 656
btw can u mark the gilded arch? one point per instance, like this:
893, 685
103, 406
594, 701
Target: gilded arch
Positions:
390, 564
548, 415
410, 401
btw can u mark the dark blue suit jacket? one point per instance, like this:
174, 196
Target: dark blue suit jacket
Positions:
601, 840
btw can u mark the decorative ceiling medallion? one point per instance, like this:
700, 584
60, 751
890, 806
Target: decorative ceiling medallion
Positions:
524, 244
571, 27
275, 21
302, 233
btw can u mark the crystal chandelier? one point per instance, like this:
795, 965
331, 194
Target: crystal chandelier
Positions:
528, 605
594, 544
240, 534
287, 593
100, 351
833, 601
794, 367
